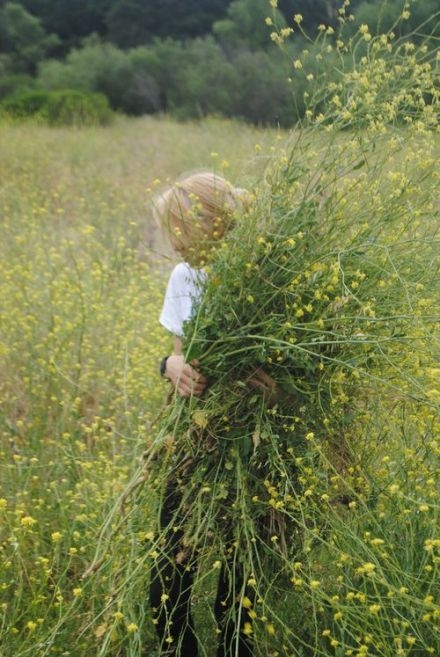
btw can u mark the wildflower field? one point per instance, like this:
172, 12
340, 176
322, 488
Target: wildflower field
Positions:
330, 283
83, 272
82, 282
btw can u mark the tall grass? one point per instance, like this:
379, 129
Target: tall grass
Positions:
82, 279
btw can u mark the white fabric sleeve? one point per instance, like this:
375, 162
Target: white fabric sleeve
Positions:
184, 288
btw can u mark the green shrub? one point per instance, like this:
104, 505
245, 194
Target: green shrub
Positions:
95, 68
261, 92
76, 108
59, 108
187, 79
204, 82
12, 84
25, 103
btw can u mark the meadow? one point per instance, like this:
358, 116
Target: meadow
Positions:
83, 271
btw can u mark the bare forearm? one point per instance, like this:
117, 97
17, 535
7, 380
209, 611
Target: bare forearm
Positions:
184, 376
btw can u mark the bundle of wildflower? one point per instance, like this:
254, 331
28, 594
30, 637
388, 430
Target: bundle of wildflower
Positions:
318, 332
319, 294
308, 307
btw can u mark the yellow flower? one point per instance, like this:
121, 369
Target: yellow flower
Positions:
368, 568
285, 32
297, 581
200, 418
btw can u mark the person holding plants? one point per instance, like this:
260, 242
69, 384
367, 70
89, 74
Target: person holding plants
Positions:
195, 213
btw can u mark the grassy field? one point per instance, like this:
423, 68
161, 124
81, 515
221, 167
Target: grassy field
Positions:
82, 275
83, 271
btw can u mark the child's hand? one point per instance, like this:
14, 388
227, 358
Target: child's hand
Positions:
262, 381
184, 377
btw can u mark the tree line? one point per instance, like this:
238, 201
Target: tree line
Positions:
190, 58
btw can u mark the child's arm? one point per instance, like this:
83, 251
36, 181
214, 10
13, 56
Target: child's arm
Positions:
184, 376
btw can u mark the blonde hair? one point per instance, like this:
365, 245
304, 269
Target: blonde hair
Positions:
197, 210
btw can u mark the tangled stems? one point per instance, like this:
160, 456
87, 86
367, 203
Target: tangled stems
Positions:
329, 294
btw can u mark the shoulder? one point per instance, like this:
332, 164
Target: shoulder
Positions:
182, 270
185, 276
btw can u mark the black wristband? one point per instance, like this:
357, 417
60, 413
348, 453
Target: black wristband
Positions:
163, 365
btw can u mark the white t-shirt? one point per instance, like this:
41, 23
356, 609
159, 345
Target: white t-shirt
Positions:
185, 287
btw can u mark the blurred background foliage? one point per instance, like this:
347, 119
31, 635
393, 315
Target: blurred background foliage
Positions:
189, 59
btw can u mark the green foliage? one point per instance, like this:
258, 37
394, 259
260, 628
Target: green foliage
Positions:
11, 84
189, 79
244, 25
136, 22
76, 108
59, 108
127, 78
203, 84
235, 71
24, 39
25, 104
385, 16
314, 12
261, 93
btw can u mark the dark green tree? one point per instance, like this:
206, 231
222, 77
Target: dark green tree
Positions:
245, 24
314, 12
71, 20
136, 22
422, 18
23, 39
